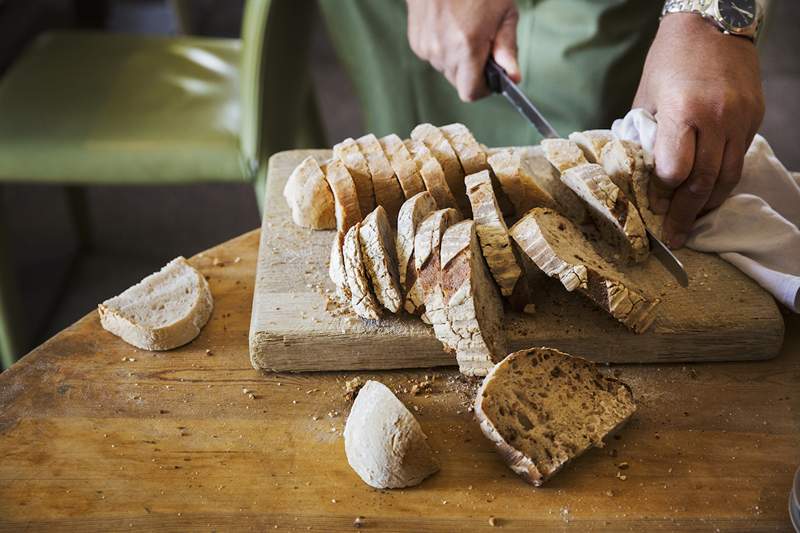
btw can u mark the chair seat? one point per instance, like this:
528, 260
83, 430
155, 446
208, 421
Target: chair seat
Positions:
103, 108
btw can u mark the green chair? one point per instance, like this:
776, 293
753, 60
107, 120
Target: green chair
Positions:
84, 108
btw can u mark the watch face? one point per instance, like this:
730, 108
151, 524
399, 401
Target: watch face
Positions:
737, 14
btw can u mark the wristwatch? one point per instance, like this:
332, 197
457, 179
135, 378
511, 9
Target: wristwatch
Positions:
733, 17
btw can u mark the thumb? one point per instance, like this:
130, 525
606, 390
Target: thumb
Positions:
504, 47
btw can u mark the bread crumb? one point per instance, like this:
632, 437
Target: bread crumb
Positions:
358, 522
351, 388
209, 352
621, 476
492, 521
529, 309
623, 465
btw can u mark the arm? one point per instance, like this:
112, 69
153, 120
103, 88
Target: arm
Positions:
704, 88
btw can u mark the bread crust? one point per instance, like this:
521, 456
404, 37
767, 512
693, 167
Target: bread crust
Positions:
388, 193
591, 142
412, 213
437, 143
336, 269
348, 153
346, 206
403, 164
519, 185
378, 250
432, 174
470, 153
362, 299
309, 196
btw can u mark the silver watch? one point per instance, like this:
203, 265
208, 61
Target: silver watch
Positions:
734, 17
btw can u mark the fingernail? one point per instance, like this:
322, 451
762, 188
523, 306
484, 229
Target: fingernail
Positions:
676, 241
660, 206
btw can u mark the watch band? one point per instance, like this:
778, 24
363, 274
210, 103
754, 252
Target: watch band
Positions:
706, 9
687, 6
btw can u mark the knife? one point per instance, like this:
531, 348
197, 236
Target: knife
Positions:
499, 82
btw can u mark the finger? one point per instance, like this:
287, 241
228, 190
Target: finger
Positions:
729, 175
674, 154
692, 195
470, 81
504, 46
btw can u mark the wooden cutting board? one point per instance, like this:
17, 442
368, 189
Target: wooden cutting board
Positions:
295, 326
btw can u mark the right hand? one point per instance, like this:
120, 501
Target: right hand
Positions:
457, 37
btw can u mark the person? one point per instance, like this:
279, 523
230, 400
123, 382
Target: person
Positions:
583, 62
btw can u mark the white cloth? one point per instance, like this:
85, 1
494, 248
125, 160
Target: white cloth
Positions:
756, 228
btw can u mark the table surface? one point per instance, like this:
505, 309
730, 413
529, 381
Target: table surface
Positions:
97, 435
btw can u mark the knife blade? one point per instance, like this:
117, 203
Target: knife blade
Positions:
499, 82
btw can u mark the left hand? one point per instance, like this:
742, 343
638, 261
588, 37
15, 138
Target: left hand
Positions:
704, 89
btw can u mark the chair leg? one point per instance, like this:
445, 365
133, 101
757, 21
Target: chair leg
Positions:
78, 204
11, 336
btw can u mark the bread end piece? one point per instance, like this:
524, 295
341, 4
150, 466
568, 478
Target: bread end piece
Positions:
309, 196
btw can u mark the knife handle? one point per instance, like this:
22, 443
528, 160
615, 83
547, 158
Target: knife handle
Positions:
493, 73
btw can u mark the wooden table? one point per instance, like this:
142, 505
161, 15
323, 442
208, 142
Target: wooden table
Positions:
97, 435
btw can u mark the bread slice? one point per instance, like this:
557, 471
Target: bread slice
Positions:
543, 174
379, 252
563, 154
163, 311
465, 308
403, 164
309, 196
492, 232
412, 213
437, 143
591, 142
384, 443
518, 182
432, 175
560, 250
427, 246
362, 298
384, 182
543, 408
615, 216
627, 165
470, 154
345, 195
348, 153
336, 269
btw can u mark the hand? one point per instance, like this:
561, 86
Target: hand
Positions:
704, 89
458, 36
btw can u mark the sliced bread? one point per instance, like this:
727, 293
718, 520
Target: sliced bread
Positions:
561, 251
309, 196
379, 252
432, 175
615, 216
336, 269
563, 154
465, 308
348, 153
403, 164
591, 142
543, 408
492, 232
345, 195
384, 443
470, 153
440, 147
384, 182
163, 311
412, 213
518, 182
362, 299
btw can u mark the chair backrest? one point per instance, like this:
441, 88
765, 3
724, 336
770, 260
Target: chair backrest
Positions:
275, 83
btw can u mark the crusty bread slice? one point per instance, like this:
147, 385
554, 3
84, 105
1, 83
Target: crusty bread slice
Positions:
384, 182
432, 175
345, 195
465, 308
412, 213
427, 245
437, 143
336, 269
362, 299
163, 311
384, 443
348, 153
563, 154
629, 167
470, 153
403, 164
543, 174
492, 232
591, 142
615, 216
518, 182
543, 408
379, 251
561, 251
309, 196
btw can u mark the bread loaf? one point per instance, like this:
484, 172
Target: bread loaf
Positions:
591, 142
378, 249
561, 251
348, 153
543, 408
362, 299
309, 196
470, 154
388, 193
403, 164
437, 143
492, 232
518, 182
163, 311
412, 213
384, 443
432, 175
346, 205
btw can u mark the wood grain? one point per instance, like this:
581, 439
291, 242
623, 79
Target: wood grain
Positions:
170, 442
723, 316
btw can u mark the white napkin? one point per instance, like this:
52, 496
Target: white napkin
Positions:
756, 228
